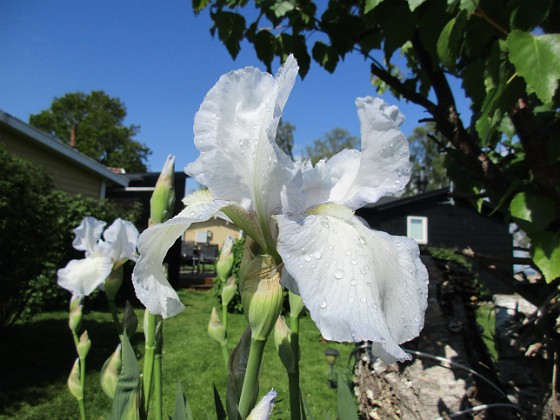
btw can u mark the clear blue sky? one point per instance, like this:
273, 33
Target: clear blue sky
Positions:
160, 60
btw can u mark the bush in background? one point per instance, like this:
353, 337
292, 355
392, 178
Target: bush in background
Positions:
36, 233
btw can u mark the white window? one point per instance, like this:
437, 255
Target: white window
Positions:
202, 236
417, 228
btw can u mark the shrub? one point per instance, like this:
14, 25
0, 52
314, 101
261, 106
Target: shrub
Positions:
36, 237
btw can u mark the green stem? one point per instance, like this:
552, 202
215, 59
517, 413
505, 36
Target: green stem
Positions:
149, 355
246, 401
158, 369
293, 377
82, 405
115, 315
225, 353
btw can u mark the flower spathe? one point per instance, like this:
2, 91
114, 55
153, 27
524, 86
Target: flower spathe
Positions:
81, 277
358, 284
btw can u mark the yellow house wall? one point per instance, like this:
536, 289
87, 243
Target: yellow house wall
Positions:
219, 228
66, 175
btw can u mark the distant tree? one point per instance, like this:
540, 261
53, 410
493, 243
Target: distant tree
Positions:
330, 144
285, 137
95, 124
428, 161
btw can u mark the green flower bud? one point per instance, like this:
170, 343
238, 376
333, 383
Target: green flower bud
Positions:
284, 345
216, 329
110, 373
228, 291
296, 305
74, 381
130, 320
163, 197
113, 282
225, 261
261, 294
83, 345
75, 314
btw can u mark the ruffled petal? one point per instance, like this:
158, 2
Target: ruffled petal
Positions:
81, 277
120, 241
149, 278
235, 131
87, 235
263, 409
358, 284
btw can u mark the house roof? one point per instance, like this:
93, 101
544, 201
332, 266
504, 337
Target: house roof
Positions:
389, 202
42, 139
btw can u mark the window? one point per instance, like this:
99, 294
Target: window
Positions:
417, 228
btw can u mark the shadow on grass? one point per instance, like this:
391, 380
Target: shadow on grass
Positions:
40, 353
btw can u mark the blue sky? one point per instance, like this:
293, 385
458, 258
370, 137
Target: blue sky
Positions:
160, 60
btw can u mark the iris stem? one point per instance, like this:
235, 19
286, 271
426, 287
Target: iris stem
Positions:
81, 401
250, 381
82, 405
293, 377
225, 351
149, 356
158, 392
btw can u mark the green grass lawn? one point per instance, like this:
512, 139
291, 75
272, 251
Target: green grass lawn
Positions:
37, 357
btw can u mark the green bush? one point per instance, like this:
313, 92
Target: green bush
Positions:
36, 234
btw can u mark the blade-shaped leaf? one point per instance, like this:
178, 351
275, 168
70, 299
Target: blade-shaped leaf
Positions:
127, 394
237, 366
537, 59
220, 412
346, 406
182, 409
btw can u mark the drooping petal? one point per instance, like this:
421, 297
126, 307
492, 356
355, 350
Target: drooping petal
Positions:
149, 278
81, 277
87, 235
358, 284
235, 131
120, 241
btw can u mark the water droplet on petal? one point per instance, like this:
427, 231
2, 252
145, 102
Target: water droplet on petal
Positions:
323, 304
362, 240
348, 252
353, 261
307, 258
338, 274
363, 299
317, 255
325, 223
353, 282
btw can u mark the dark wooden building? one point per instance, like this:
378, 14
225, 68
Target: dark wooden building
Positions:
441, 219
140, 189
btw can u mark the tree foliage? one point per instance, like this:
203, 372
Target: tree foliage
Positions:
428, 161
98, 123
285, 137
505, 52
330, 144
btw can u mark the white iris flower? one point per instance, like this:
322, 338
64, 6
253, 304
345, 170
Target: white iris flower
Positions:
358, 284
81, 277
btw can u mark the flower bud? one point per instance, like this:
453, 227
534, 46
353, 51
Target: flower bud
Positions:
74, 384
263, 409
225, 261
75, 314
261, 294
110, 373
216, 329
130, 320
83, 345
284, 345
228, 291
163, 197
113, 282
296, 305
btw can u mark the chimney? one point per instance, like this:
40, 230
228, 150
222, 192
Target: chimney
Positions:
73, 134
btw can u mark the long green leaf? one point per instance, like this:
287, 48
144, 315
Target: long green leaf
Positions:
127, 395
182, 409
237, 366
346, 406
220, 412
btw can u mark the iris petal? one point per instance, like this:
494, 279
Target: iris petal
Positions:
358, 284
87, 235
149, 277
81, 277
